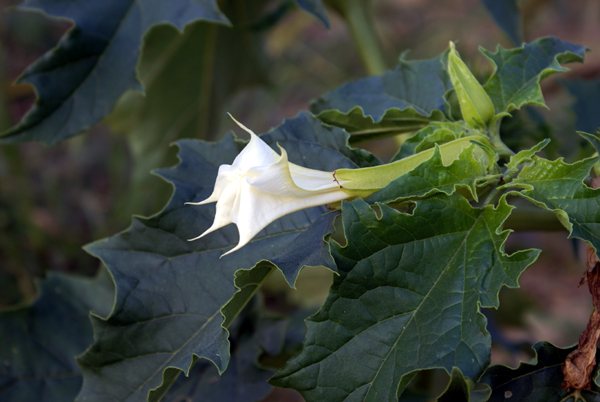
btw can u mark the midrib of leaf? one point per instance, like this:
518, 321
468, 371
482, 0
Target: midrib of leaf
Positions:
172, 354
462, 245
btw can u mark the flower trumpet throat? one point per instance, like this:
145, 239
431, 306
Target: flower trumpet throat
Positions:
475, 104
261, 186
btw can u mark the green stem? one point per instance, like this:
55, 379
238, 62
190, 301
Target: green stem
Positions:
360, 22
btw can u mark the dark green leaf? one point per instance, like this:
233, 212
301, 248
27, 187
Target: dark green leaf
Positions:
539, 380
432, 176
40, 341
587, 99
518, 71
170, 292
464, 389
79, 81
558, 187
244, 380
401, 100
507, 15
407, 298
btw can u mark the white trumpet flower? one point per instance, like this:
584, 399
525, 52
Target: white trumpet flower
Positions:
261, 186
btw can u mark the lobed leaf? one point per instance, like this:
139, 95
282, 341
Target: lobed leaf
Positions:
244, 380
518, 72
40, 341
401, 100
170, 292
407, 298
558, 187
80, 80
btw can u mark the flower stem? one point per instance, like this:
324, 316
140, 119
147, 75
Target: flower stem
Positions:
360, 22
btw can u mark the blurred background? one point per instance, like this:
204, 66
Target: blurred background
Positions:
268, 67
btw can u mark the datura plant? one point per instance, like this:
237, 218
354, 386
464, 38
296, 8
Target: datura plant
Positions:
415, 246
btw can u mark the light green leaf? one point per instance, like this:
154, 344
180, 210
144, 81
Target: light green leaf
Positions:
435, 133
40, 341
401, 100
518, 72
525, 156
407, 298
171, 292
80, 80
432, 176
558, 187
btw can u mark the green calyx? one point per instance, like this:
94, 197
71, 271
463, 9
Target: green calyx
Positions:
365, 181
475, 104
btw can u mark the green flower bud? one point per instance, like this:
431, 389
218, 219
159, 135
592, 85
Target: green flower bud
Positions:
475, 104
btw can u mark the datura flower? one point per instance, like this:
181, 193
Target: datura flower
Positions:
261, 186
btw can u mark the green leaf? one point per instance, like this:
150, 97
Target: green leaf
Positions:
518, 72
539, 380
244, 380
432, 176
507, 15
525, 156
558, 187
401, 100
434, 133
407, 298
170, 292
40, 341
587, 99
80, 80
464, 389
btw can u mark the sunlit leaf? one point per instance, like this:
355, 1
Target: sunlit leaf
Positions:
407, 298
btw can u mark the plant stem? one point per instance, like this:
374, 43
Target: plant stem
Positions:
360, 22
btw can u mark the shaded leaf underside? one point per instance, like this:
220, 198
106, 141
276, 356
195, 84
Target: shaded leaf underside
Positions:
40, 341
401, 100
